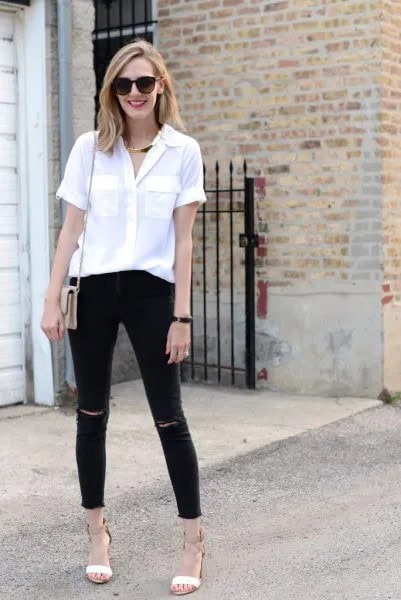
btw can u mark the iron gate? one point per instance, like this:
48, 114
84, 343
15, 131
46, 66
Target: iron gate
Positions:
223, 285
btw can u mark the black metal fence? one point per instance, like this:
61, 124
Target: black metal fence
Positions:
223, 285
117, 22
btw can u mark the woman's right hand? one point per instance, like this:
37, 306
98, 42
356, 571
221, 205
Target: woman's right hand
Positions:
52, 323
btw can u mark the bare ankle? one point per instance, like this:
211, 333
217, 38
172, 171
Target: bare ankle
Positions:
95, 516
192, 527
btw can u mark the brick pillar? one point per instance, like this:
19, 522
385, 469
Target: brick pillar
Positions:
390, 119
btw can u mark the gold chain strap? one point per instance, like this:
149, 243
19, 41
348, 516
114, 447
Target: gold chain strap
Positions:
87, 210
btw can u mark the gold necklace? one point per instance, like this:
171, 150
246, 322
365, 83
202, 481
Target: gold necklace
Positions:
141, 150
138, 150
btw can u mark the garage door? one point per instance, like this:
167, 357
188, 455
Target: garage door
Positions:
12, 360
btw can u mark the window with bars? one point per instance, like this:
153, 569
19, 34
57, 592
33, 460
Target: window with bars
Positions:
19, 2
117, 22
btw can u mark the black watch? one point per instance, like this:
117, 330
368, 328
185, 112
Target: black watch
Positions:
182, 319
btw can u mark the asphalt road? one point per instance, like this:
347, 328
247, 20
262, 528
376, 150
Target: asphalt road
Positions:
313, 517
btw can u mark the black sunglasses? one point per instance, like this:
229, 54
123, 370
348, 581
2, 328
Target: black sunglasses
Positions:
145, 85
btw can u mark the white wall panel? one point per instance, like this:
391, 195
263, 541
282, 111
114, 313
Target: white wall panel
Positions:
8, 79
8, 151
8, 220
12, 385
7, 52
6, 26
8, 185
8, 179
34, 86
9, 288
7, 117
9, 253
10, 352
10, 319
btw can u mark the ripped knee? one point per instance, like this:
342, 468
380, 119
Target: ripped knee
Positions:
173, 428
92, 421
164, 424
90, 412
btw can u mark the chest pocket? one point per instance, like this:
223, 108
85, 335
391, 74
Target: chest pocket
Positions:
104, 195
161, 195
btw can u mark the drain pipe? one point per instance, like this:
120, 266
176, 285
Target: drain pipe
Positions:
64, 34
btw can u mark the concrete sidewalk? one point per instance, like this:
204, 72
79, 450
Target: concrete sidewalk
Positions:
37, 461
43, 546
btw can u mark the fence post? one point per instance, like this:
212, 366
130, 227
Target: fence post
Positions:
251, 243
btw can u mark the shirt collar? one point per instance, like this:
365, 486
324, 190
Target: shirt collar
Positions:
168, 135
171, 137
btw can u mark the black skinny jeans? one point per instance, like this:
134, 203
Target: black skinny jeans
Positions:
144, 304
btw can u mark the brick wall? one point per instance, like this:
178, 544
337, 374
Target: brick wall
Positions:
390, 117
307, 92
295, 87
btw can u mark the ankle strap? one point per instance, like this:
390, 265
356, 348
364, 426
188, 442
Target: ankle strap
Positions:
194, 540
99, 529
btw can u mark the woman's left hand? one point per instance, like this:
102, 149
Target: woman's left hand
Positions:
178, 341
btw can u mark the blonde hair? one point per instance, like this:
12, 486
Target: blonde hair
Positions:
111, 118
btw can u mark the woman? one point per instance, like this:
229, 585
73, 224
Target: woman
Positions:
147, 184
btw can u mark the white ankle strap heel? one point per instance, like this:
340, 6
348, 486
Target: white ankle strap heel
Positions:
194, 582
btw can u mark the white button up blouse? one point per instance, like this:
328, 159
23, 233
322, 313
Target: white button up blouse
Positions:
130, 219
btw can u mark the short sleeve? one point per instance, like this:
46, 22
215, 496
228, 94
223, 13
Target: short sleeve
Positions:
192, 189
72, 188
